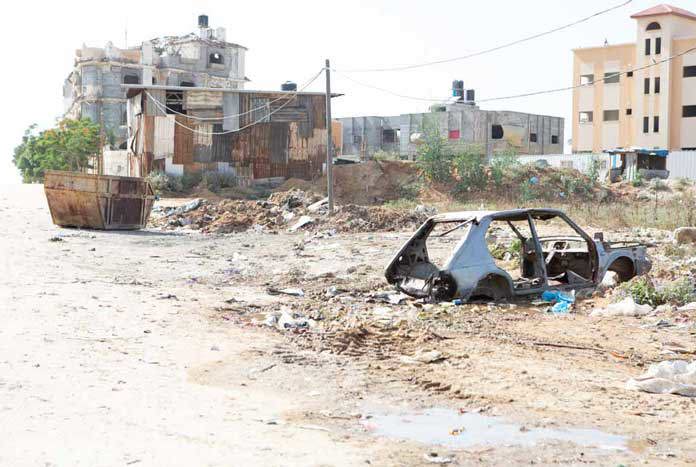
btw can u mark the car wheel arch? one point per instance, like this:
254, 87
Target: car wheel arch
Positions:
494, 286
623, 266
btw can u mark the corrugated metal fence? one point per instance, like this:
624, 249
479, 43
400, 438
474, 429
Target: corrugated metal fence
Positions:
681, 164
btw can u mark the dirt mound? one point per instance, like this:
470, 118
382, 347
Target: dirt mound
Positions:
354, 218
295, 210
373, 182
299, 184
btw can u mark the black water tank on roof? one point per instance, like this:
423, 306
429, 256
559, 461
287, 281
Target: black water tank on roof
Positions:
203, 21
458, 88
288, 86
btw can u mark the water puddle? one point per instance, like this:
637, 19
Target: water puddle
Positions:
452, 429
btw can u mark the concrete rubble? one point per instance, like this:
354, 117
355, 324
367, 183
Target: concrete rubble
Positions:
295, 210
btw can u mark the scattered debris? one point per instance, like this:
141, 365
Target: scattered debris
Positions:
668, 377
610, 279
435, 458
285, 319
302, 222
688, 307
289, 291
626, 307
168, 297
562, 302
319, 205
422, 356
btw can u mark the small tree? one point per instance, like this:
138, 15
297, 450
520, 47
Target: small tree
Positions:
593, 170
470, 163
501, 164
68, 146
434, 157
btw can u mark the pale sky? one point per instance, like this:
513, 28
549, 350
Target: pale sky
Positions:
290, 40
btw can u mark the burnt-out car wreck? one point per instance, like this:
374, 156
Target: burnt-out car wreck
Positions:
569, 261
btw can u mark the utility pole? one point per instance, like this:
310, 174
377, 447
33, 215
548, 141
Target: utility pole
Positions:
329, 138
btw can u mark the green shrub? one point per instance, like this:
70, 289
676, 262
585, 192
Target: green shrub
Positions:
401, 204
501, 165
657, 184
679, 292
162, 182
515, 247
638, 180
434, 157
190, 180
470, 164
386, 156
410, 191
643, 291
675, 251
593, 170
159, 181
216, 181
682, 184
527, 191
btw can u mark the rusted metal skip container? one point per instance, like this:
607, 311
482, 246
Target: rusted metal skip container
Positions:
104, 202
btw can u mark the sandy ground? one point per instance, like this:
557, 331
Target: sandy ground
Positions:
139, 348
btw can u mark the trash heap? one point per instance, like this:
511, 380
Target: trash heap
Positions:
292, 210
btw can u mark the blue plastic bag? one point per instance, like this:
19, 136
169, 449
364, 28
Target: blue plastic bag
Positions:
554, 296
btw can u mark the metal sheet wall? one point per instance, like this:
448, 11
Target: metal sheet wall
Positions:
183, 141
230, 107
291, 145
202, 142
164, 137
682, 164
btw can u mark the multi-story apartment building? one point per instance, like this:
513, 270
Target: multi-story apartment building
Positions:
641, 96
202, 59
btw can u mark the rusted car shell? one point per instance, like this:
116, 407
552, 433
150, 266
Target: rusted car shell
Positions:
471, 263
103, 202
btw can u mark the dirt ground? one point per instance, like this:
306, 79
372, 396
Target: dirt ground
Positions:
150, 348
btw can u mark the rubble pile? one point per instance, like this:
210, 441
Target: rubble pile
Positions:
354, 218
292, 210
223, 217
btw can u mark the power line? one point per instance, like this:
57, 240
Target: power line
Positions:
289, 96
260, 120
532, 93
492, 49
426, 99
593, 82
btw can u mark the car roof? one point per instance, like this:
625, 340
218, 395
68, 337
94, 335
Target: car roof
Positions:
510, 214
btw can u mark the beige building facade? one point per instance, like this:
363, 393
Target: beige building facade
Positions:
620, 105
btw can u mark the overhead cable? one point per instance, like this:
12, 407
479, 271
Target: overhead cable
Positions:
260, 120
361, 83
492, 49
533, 93
289, 96
591, 83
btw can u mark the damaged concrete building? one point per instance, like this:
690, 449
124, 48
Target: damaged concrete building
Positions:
461, 122
250, 134
202, 59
